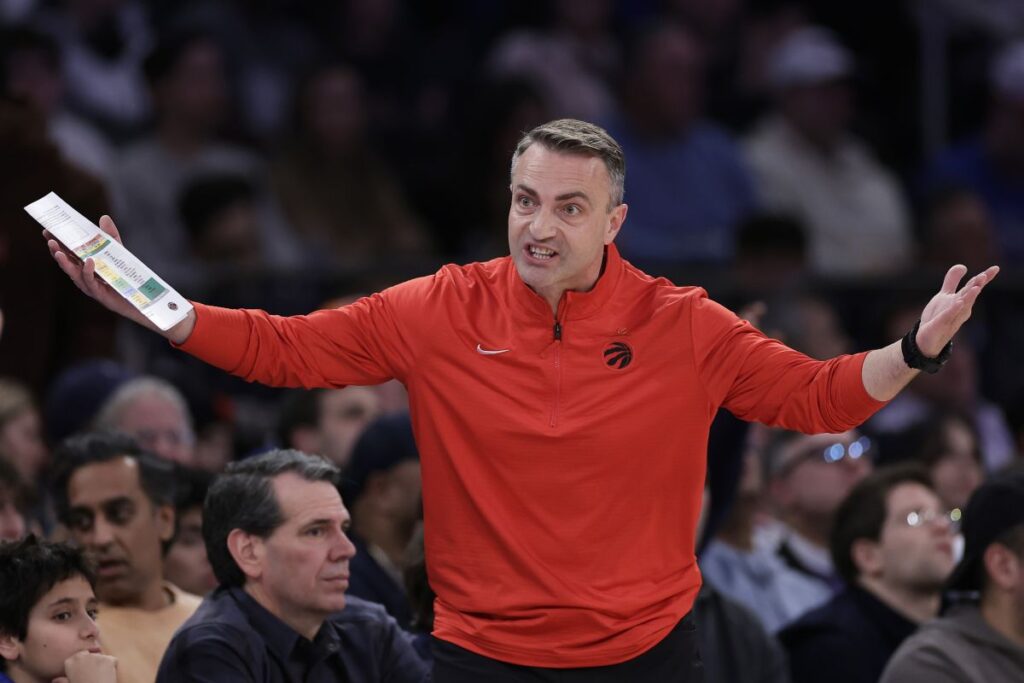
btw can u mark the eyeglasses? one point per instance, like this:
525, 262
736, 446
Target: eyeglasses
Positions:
832, 453
916, 518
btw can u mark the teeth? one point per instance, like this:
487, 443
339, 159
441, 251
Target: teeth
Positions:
541, 252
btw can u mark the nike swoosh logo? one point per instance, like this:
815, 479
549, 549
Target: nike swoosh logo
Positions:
489, 352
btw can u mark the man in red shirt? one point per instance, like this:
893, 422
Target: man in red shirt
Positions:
561, 401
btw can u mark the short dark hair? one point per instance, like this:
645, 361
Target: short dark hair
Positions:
243, 498
301, 408
862, 514
571, 136
156, 475
191, 487
28, 569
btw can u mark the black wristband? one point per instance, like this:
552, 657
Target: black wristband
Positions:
913, 357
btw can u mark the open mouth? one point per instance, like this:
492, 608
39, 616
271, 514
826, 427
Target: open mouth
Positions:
540, 253
110, 568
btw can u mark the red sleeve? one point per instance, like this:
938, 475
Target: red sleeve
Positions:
361, 343
763, 380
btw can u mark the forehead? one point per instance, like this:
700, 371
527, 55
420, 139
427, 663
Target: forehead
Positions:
549, 172
96, 483
910, 496
301, 500
152, 409
73, 588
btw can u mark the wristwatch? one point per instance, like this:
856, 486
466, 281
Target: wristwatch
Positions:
915, 359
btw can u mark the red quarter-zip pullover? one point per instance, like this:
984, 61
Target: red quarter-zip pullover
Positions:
563, 459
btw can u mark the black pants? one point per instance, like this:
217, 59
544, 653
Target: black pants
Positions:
674, 660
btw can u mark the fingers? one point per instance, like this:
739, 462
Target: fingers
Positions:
107, 226
952, 279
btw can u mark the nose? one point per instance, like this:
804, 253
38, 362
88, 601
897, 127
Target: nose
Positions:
542, 226
90, 629
102, 532
344, 549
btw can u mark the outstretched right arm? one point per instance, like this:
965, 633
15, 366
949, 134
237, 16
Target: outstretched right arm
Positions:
83, 274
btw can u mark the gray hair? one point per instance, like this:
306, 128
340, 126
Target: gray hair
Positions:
110, 412
243, 498
572, 136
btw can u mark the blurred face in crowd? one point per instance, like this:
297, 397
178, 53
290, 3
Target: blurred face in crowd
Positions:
821, 112
957, 473
914, 551
159, 426
668, 81
186, 564
111, 516
560, 220
962, 232
21, 443
194, 93
12, 521
61, 624
34, 77
817, 472
344, 414
397, 494
300, 572
335, 111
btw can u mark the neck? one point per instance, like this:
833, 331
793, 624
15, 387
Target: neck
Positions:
917, 606
153, 598
305, 625
1000, 611
813, 529
386, 534
19, 675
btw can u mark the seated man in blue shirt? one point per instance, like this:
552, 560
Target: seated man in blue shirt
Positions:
274, 528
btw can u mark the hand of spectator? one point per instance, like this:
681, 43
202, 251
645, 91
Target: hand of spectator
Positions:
89, 667
83, 274
950, 308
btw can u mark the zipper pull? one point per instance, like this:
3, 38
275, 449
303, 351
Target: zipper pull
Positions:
558, 331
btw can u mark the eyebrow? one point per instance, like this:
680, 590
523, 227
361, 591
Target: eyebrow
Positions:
62, 601
560, 198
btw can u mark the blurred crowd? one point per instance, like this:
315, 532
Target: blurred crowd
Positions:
826, 159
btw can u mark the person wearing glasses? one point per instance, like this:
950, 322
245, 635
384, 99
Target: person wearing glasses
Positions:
892, 544
808, 477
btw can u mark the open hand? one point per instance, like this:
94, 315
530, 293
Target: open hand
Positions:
950, 308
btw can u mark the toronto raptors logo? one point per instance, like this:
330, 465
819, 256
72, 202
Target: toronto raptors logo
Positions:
618, 355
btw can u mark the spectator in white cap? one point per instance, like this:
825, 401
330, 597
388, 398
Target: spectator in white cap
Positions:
991, 161
807, 163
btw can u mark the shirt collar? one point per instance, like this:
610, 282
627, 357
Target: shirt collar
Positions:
281, 639
574, 305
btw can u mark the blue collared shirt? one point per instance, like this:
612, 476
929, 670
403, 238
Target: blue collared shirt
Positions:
231, 637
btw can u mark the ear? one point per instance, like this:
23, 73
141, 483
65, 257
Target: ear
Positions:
248, 552
305, 439
1002, 566
10, 647
867, 556
615, 221
165, 522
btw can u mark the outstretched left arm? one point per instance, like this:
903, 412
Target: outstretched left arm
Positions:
885, 373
